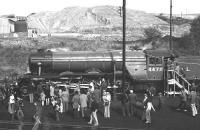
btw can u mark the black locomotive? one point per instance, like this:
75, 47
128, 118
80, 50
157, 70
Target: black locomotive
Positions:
141, 66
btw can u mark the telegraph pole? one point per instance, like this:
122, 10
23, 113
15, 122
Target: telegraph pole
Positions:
124, 44
166, 85
170, 24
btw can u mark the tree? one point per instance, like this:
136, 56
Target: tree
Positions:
152, 33
195, 34
185, 45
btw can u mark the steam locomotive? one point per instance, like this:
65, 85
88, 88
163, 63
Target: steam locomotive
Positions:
143, 68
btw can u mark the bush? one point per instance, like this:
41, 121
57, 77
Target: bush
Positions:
152, 33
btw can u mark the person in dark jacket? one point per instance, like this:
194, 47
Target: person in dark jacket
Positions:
132, 99
161, 100
76, 104
183, 102
125, 104
93, 115
144, 102
97, 94
30, 92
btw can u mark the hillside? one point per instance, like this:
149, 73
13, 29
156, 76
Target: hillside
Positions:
104, 20
89, 18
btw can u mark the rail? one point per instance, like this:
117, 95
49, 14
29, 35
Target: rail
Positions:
180, 77
183, 78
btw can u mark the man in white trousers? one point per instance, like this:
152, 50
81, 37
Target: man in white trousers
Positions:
193, 96
106, 102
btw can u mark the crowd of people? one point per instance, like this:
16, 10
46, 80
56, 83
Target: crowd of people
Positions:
192, 99
88, 102
61, 99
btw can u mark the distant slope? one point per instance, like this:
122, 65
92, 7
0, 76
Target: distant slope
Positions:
103, 20
82, 18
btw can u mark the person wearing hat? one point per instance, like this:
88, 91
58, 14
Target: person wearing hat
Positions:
133, 99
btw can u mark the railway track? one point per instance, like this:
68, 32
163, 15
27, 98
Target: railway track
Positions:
9, 125
6, 125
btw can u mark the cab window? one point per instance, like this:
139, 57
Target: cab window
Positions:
154, 60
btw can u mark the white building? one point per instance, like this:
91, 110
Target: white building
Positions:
7, 26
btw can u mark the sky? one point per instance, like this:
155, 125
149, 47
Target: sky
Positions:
25, 7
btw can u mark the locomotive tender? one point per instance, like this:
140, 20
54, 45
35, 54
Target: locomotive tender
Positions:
141, 66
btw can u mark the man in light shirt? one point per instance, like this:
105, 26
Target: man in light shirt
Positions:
149, 106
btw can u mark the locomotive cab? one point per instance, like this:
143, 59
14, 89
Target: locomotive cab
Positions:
156, 62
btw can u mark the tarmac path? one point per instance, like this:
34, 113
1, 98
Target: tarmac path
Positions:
168, 118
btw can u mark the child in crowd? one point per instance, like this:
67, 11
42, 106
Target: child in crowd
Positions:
42, 96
